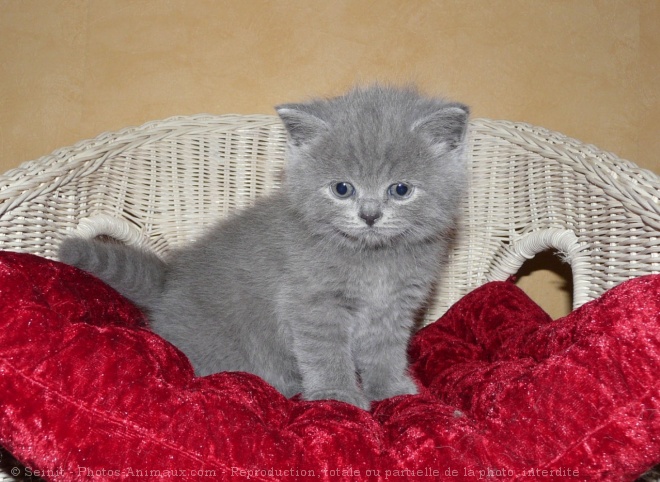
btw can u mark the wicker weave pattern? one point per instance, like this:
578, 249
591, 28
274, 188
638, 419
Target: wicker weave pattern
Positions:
160, 184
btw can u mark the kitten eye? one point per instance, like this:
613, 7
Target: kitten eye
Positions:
343, 189
400, 190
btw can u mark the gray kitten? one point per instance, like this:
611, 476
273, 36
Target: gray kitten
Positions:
315, 288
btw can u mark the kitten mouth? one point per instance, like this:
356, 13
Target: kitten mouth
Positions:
372, 237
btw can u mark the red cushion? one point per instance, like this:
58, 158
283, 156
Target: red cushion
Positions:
86, 390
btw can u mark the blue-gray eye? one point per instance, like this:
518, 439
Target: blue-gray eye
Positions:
342, 189
400, 190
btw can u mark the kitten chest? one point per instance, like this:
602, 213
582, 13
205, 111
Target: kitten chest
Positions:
371, 283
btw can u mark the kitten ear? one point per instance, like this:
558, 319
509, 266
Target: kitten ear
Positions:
446, 127
301, 124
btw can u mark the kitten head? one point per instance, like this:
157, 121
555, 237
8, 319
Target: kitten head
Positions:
377, 166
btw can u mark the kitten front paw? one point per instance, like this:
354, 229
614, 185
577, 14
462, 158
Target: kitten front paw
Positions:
403, 386
353, 397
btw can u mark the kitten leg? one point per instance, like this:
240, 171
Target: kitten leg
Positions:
383, 366
322, 350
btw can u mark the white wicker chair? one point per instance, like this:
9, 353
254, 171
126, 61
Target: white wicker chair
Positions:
161, 183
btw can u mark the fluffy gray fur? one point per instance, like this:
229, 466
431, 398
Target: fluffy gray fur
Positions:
316, 288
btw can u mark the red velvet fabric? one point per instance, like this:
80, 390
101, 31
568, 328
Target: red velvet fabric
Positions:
86, 392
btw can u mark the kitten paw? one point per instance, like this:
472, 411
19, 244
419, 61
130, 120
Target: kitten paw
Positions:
354, 398
404, 386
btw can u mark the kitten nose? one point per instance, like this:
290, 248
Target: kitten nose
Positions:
369, 218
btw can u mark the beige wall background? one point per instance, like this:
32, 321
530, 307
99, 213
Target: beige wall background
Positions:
72, 69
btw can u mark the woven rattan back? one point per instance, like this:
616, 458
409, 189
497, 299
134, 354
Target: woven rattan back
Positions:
162, 183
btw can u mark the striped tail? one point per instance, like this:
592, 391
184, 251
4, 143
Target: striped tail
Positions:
137, 274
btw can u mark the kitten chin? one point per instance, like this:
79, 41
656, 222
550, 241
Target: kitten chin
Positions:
372, 238
291, 291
